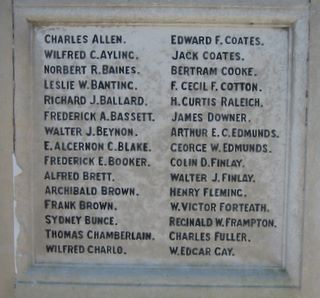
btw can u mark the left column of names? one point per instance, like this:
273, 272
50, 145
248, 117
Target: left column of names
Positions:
91, 109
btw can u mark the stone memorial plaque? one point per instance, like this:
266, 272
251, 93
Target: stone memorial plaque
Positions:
161, 145
159, 148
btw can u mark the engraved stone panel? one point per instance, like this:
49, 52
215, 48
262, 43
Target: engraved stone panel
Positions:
161, 145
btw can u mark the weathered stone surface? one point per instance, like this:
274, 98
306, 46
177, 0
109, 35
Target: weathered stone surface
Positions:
182, 128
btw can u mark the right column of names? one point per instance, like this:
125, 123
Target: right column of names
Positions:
227, 146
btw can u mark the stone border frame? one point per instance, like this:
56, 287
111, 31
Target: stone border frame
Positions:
6, 144
28, 16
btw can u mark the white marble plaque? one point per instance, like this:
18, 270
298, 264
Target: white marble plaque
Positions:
160, 145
